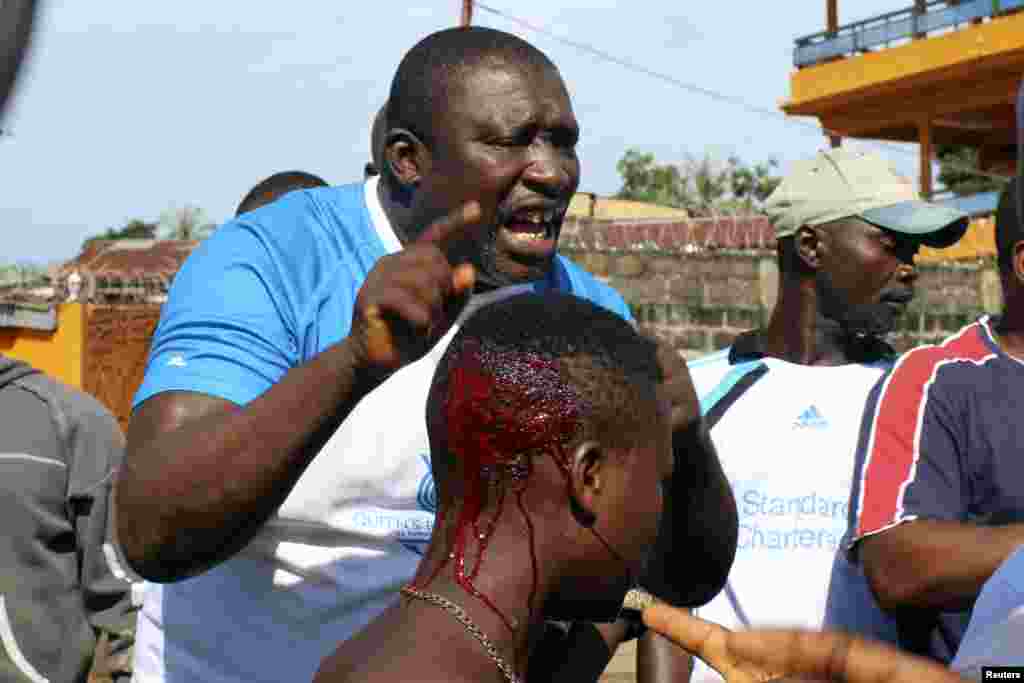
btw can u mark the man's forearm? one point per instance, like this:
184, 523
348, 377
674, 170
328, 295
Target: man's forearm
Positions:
198, 493
938, 565
659, 660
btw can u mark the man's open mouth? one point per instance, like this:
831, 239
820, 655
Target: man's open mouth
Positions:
530, 234
533, 225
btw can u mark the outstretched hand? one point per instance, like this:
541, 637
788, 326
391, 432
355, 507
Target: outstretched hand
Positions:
710, 642
767, 654
411, 298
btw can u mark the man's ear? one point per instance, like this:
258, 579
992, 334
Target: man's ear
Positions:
808, 247
589, 467
406, 156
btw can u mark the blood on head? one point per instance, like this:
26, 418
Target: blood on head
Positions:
500, 408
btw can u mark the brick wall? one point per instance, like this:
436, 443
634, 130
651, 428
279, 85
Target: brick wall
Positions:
698, 284
695, 284
116, 347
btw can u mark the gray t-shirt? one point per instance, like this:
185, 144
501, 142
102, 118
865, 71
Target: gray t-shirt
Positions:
58, 452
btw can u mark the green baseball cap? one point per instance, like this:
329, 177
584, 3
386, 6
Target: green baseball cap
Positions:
840, 183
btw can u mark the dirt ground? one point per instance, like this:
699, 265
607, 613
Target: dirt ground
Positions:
622, 668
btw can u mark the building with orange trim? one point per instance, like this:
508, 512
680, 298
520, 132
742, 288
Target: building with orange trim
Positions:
937, 72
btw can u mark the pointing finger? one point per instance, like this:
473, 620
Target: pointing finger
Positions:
463, 279
695, 635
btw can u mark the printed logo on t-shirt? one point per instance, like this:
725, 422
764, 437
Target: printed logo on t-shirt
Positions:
797, 518
416, 537
426, 494
177, 361
811, 419
411, 526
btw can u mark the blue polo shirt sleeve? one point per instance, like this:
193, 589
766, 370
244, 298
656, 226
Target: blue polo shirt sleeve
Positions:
569, 277
228, 326
996, 629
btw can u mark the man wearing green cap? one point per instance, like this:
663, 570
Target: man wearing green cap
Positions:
784, 403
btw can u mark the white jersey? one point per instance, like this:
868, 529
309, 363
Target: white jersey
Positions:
346, 539
353, 529
786, 436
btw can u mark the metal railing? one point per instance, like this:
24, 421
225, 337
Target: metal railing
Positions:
899, 26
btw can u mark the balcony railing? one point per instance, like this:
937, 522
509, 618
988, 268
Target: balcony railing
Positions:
896, 27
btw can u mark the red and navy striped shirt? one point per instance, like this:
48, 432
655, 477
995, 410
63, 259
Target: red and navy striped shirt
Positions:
941, 440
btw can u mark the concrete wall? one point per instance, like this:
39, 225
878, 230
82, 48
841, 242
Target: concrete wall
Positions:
116, 349
699, 298
694, 284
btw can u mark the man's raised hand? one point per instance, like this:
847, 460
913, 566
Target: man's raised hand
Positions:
769, 654
411, 298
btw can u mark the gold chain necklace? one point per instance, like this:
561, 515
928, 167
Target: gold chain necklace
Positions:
467, 623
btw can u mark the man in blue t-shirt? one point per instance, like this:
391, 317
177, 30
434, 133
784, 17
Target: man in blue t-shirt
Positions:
277, 478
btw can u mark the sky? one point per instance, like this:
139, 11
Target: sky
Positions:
128, 108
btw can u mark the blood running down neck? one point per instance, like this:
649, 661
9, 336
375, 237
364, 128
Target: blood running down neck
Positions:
502, 409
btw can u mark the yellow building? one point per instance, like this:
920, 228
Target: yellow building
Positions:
978, 243
937, 72
99, 349
587, 205
50, 339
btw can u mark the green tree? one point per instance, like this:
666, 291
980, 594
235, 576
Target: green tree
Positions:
956, 166
643, 180
754, 183
703, 186
135, 229
184, 223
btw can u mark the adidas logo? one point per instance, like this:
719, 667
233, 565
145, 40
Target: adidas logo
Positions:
811, 419
177, 361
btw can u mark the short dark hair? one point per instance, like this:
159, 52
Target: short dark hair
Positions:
378, 135
536, 372
275, 186
422, 81
1009, 230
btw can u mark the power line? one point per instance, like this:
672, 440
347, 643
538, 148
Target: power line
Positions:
632, 66
712, 94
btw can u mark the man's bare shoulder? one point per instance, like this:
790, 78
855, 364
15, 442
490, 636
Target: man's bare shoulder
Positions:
393, 648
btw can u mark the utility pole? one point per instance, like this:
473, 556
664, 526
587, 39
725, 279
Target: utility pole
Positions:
832, 26
467, 13
920, 9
